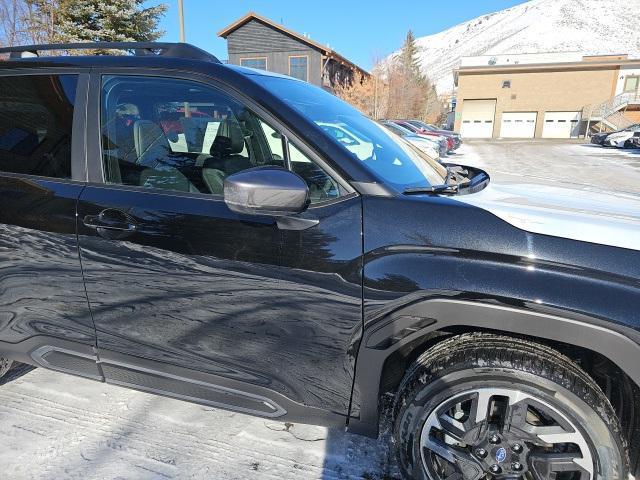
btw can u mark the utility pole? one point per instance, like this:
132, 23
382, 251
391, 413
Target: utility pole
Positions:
187, 110
375, 97
181, 20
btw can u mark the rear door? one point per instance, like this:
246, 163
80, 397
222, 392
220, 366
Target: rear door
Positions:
42, 172
190, 299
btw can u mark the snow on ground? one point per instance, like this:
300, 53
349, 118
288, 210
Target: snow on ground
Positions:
54, 426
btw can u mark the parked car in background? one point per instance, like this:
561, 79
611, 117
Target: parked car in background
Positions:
457, 140
618, 139
599, 138
602, 138
424, 132
633, 142
431, 147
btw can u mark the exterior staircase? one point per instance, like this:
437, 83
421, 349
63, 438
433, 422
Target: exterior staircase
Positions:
609, 115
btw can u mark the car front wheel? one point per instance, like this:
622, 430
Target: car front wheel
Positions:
483, 406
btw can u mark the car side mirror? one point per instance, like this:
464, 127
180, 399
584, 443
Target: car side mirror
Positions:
269, 190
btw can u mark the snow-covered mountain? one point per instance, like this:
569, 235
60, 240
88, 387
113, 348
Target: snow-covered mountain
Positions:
587, 26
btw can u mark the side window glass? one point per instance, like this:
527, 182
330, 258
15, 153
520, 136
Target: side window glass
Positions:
321, 186
179, 135
36, 120
274, 139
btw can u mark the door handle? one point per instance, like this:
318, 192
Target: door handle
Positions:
111, 223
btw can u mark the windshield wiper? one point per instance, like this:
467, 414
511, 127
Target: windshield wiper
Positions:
445, 189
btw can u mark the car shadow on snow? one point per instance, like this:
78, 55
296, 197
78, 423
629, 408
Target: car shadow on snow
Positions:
351, 456
16, 371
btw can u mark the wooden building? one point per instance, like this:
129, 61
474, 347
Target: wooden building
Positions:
257, 42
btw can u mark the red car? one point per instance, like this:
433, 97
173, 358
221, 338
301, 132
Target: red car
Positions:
423, 131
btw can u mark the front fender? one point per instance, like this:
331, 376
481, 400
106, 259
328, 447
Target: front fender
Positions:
411, 292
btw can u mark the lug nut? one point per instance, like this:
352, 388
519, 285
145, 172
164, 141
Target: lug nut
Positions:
494, 439
481, 453
516, 466
495, 469
516, 447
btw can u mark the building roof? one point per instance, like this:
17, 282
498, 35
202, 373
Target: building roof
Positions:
586, 62
328, 52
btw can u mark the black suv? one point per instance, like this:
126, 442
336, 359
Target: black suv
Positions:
203, 231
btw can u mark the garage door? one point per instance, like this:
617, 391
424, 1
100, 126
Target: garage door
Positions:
477, 118
518, 125
561, 125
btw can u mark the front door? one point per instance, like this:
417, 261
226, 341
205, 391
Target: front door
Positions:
190, 299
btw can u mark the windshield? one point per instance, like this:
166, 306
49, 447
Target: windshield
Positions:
397, 129
392, 159
425, 126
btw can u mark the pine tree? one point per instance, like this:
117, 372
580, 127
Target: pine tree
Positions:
107, 21
409, 56
411, 81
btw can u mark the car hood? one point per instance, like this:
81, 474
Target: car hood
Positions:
622, 134
576, 213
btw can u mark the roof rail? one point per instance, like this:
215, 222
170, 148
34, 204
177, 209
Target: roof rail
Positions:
163, 49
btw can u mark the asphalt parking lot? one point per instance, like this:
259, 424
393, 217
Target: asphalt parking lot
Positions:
554, 161
55, 426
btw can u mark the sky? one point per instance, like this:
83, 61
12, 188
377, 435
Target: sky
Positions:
360, 30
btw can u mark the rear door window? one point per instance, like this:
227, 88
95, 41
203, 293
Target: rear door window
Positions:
36, 122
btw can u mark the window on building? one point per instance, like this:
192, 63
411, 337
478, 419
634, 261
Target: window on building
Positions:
631, 84
259, 63
298, 67
506, 84
36, 119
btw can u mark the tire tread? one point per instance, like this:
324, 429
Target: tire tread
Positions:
478, 350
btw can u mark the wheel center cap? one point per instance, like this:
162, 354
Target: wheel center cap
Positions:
501, 455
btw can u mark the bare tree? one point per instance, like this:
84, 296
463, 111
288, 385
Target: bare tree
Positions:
366, 95
11, 26
41, 20
27, 21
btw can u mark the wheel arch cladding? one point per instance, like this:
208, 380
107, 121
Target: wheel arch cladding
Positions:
418, 325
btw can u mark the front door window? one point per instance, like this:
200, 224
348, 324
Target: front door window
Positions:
180, 135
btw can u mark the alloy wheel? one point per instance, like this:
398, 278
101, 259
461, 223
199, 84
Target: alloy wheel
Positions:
500, 433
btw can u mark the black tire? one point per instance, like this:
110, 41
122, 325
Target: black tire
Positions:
473, 366
5, 365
